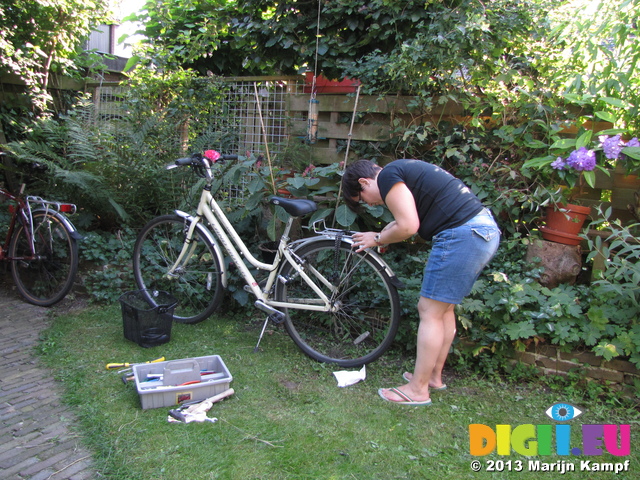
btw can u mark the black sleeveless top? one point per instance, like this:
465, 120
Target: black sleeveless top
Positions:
442, 200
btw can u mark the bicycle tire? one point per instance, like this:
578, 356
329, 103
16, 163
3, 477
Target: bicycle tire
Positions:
366, 322
198, 287
47, 279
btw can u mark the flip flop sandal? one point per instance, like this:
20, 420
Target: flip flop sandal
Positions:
406, 399
443, 387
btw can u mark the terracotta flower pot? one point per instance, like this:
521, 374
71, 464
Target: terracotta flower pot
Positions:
564, 222
326, 85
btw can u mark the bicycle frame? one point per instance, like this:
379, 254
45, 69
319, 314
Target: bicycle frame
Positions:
339, 304
23, 210
224, 233
16, 211
231, 241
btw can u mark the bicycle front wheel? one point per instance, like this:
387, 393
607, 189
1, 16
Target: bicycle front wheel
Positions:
45, 276
365, 302
196, 283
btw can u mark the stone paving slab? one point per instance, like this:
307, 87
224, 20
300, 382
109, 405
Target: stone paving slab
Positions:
37, 441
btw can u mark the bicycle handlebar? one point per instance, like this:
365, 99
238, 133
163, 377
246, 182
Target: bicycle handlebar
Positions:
196, 160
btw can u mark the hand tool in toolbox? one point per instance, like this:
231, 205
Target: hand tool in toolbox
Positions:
197, 411
113, 366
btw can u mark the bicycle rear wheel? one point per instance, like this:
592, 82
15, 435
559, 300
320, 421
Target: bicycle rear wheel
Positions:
197, 285
47, 278
366, 305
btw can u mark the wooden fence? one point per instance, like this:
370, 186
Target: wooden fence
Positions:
282, 106
376, 117
617, 191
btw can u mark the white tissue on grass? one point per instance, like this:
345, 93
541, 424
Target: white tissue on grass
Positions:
346, 378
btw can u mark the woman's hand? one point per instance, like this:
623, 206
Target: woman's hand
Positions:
364, 240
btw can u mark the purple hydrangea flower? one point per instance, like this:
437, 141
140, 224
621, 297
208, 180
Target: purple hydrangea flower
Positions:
611, 146
582, 159
559, 164
633, 142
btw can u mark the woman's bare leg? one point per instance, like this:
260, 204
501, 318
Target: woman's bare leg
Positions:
435, 335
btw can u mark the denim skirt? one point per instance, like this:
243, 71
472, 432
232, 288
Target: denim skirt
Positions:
457, 257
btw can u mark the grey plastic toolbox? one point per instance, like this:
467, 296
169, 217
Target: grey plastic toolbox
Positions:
164, 384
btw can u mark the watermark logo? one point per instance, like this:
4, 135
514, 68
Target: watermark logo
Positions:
562, 412
548, 439
532, 440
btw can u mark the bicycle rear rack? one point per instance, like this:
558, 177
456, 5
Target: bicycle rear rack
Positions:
319, 227
68, 208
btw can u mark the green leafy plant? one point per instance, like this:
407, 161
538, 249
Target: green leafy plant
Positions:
508, 309
621, 251
106, 265
572, 162
63, 160
616, 288
115, 172
39, 39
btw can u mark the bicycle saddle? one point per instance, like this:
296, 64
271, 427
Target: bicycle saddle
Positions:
296, 207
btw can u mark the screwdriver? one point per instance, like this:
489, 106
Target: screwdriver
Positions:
112, 366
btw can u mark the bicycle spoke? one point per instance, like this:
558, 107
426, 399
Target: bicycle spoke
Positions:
196, 283
365, 304
46, 275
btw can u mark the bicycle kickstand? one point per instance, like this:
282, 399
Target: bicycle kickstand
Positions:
264, 327
277, 317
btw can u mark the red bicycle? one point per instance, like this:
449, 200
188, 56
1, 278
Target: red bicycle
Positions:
41, 246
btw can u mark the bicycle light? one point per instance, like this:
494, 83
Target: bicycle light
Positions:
68, 208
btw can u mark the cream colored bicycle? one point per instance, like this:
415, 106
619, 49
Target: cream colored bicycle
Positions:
338, 305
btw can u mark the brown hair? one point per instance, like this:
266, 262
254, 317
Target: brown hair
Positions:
350, 186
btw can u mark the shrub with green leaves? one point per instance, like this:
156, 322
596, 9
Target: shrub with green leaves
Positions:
106, 264
115, 171
508, 309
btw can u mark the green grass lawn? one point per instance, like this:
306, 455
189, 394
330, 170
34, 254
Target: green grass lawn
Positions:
288, 419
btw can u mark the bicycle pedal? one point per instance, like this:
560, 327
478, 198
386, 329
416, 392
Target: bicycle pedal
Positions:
277, 318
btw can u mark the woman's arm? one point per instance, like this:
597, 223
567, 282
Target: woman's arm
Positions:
402, 206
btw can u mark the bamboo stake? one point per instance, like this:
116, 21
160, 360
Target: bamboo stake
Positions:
264, 135
346, 153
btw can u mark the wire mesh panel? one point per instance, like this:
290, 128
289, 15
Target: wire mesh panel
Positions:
256, 109
259, 107
108, 103
251, 111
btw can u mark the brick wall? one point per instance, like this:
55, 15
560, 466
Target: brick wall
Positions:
551, 360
